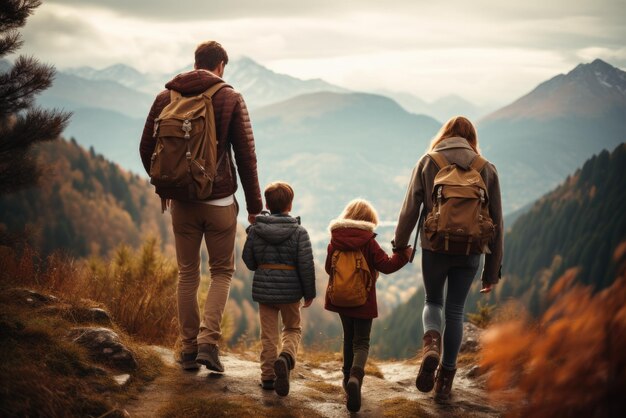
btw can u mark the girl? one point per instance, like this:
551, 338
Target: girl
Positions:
457, 142
354, 230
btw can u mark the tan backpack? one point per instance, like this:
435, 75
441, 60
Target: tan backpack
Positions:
459, 222
350, 279
183, 165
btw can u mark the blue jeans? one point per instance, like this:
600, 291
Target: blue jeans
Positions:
459, 271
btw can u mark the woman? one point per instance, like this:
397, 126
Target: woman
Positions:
457, 145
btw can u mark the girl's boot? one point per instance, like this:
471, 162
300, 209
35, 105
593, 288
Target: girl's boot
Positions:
354, 389
444, 384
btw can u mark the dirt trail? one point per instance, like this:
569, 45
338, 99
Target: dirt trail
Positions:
315, 390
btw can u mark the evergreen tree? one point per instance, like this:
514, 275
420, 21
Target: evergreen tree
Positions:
22, 124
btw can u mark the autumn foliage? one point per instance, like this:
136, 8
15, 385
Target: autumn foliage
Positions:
569, 363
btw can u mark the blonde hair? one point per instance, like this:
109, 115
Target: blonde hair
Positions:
457, 126
360, 210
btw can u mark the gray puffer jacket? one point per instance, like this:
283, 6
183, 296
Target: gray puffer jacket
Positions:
280, 239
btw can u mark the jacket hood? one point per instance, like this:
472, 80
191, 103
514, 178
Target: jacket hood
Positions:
275, 228
193, 82
455, 151
347, 234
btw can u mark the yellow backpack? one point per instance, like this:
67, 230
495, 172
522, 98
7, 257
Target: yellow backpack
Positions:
350, 279
183, 165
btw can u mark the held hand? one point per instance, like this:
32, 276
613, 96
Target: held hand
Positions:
307, 303
251, 219
486, 288
408, 251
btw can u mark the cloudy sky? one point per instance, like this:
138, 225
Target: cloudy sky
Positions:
489, 52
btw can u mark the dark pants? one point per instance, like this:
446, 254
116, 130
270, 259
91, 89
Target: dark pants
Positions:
459, 271
356, 341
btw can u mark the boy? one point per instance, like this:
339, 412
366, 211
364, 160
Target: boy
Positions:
278, 250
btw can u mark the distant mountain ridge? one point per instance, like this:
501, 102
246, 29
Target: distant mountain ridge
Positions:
441, 109
258, 84
540, 138
589, 90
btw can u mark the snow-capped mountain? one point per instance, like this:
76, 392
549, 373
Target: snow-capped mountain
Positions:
589, 90
258, 84
541, 137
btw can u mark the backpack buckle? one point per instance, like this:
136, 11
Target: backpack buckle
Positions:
482, 196
186, 128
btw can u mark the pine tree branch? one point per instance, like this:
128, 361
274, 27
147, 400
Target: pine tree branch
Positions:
10, 43
13, 13
37, 125
19, 86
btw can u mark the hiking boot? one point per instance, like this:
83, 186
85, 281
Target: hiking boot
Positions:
431, 354
353, 389
282, 368
188, 361
346, 377
444, 384
267, 384
208, 355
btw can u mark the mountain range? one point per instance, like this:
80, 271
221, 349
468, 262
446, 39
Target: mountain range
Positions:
543, 136
336, 145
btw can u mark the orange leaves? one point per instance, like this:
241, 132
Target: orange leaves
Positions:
572, 362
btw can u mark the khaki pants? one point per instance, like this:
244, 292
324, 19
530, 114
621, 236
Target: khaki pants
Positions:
218, 226
292, 332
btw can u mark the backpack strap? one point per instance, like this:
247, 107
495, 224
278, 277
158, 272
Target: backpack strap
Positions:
478, 163
214, 89
175, 95
439, 159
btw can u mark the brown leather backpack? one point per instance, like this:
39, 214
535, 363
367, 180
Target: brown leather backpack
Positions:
459, 222
184, 162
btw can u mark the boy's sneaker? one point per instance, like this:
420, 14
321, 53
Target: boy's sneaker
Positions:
267, 384
188, 361
282, 368
208, 355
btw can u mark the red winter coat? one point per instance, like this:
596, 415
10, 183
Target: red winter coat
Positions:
234, 133
347, 234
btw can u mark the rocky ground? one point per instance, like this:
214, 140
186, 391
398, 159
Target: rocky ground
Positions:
87, 366
388, 390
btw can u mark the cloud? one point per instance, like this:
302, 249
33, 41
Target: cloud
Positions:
475, 49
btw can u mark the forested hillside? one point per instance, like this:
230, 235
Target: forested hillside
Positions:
85, 205
579, 224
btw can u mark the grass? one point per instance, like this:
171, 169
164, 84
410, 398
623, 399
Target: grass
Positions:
43, 373
324, 387
402, 407
190, 401
371, 369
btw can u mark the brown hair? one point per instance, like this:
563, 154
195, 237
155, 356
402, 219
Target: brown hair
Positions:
278, 196
360, 210
209, 54
457, 126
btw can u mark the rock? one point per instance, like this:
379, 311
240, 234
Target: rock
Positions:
33, 298
105, 346
474, 372
121, 379
471, 338
97, 315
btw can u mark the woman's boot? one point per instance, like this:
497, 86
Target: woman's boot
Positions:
346, 377
353, 389
444, 384
431, 354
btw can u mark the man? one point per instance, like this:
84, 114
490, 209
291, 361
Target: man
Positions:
215, 219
